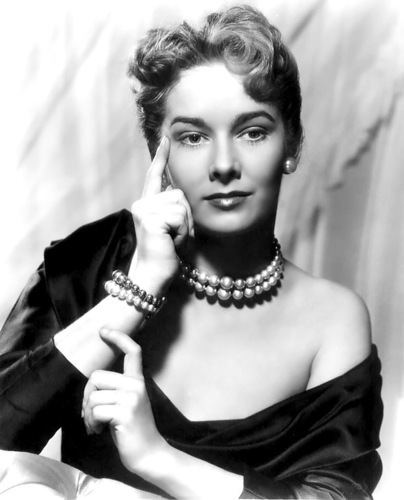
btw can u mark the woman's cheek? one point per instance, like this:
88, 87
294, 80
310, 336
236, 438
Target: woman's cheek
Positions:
188, 168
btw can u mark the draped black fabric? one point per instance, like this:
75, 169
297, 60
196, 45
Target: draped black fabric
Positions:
316, 444
326, 431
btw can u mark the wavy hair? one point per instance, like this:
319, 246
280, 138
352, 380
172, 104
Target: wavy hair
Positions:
244, 40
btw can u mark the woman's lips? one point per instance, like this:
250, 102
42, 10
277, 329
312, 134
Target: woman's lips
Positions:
227, 201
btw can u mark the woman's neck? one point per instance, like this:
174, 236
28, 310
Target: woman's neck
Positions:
239, 255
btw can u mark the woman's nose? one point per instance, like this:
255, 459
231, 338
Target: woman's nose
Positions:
224, 166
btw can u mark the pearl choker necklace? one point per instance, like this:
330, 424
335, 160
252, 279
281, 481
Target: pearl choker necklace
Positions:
226, 288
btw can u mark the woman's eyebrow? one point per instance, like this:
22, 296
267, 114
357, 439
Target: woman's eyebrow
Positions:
245, 117
197, 122
239, 120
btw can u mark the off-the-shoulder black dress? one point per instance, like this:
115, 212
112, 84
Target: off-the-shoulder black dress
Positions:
320, 443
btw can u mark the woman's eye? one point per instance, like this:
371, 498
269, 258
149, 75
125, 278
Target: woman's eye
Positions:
192, 139
254, 135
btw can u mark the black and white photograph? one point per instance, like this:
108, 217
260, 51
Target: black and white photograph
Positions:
202, 249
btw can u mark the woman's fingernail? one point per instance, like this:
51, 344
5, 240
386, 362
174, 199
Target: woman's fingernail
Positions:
104, 331
164, 141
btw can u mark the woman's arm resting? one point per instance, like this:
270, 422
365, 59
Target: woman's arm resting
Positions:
80, 342
184, 476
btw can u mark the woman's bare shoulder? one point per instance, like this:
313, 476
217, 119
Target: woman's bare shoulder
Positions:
342, 323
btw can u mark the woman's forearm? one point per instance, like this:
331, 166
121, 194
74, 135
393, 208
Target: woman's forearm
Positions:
184, 476
80, 342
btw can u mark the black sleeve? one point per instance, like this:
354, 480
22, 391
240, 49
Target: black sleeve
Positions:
35, 378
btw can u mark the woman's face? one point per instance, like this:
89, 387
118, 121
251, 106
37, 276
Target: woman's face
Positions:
226, 150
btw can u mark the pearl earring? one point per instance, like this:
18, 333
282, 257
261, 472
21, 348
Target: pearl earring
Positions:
290, 166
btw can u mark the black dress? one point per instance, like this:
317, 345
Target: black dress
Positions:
319, 443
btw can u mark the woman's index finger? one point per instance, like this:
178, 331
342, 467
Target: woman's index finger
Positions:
121, 340
154, 174
125, 344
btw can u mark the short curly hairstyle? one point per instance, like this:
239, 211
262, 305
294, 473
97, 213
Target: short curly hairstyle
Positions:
245, 41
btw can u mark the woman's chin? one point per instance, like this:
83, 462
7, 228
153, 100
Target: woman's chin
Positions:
228, 228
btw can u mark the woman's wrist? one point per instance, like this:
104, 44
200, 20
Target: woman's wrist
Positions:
80, 342
150, 278
184, 476
122, 287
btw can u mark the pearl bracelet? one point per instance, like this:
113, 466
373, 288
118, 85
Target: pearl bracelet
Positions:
123, 288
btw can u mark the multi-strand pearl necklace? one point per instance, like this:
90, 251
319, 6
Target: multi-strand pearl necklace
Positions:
226, 288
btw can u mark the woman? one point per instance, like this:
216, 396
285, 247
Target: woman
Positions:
251, 378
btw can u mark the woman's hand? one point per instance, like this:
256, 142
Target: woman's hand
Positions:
121, 401
163, 222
